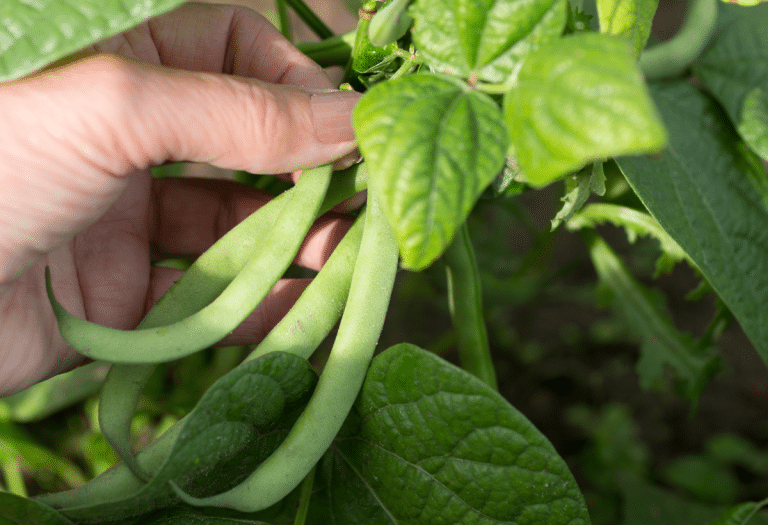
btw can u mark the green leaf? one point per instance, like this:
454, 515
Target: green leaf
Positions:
645, 504
630, 19
703, 478
237, 424
578, 189
432, 146
615, 447
437, 445
34, 34
578, 100
484, 39
741, 514
731, 449
15, 510
661, 343
702, 190
187, 516
734, 68
635, 223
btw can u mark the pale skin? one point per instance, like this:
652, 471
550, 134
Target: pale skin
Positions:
203, 83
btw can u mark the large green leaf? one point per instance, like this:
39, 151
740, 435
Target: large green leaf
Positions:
703, 191
239, 422
187, 516
432, 146
35, 33
662, 344
577, 100
734, 68
630, 19
435, 445
485, 39
15, 510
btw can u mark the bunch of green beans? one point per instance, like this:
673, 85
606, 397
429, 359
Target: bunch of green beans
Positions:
214, 295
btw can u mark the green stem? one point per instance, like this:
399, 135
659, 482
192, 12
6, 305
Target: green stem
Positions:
334, 51
340, 382
412, 61
310, 18
14, 477
492, 89
306, 495
465, 299
672, 58
53, 395
284, 19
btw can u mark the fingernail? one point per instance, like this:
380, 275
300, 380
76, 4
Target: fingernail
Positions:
333, 115
348, 160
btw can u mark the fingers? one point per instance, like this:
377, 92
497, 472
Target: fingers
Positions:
191, 214
238, 41
80, 142
258, 324
144, 115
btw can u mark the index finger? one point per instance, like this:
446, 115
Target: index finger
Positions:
220, 39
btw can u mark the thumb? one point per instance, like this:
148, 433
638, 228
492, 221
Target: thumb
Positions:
137, 115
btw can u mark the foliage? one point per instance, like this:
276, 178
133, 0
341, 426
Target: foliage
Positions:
468, 106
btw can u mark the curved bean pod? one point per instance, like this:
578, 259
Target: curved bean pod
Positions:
339, 384
390, 23
225, 313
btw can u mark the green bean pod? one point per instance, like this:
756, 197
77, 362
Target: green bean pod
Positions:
208, 276
339, 384
390, 23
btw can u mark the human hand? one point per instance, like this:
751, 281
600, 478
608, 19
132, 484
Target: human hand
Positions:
77, 191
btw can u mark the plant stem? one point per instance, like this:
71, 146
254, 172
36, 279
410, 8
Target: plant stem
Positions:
465, 299
306, 495
310, 18
334, 51
410, 62
672, 58
14, 477
493, 89
284, 19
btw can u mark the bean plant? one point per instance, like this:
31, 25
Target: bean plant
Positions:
464, 99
